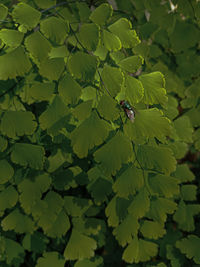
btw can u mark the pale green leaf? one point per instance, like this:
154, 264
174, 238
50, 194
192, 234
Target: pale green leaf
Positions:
82, 66
101, 14
125, 231
148, 123
69, 89
152, 230
139, 250
54, 116
184, 216
31, 191
131, 64
6, 172
157, 157
111, 41
164, 185
28, 155
190, 247
18, 222
8, 198
107, 108
37, 92
52, 68
134, 90
83, 110
13, 64
50, 259
140, 204
159, 208
3, 12
38, 46
111, 212
26, 15
183, 173
89, 36
154, 88
54, 29
79, 246
18, 123
11, 38
90, 133
123, 29
75, 206
114, 153
88, 93
129, 182
60, 51
113, 79
45, 3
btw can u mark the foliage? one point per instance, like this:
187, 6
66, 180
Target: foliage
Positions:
81, 184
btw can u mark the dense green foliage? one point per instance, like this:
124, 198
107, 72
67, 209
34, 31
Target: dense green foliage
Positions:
80, 183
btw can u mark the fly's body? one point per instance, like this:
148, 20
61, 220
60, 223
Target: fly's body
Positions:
128, 110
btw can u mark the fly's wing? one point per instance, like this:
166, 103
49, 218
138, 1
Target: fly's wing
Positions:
130, 114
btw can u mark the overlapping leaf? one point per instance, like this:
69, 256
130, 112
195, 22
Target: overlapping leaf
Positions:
7, 171
11, 38
152, 230
111, 41
90, 133
52, 68
50, 259
134, 90
89, 36
107, 108
8, 198
75, 206
3, 11
131, 64
101, 14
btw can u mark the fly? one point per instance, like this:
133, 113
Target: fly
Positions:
129, 111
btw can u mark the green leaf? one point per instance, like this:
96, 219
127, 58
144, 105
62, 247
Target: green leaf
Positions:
139, 250
14, 252
11, 38
56, 160
107, 108
190, 247
90, 133
113, 79
88, 93
26, 15
156, 157
18, 123
154, 92
18, 222
159, 208
35, 242
183, 129
3, 12
8, 198
83, 10
89, 36
69, 89
28, 155
148, 123
75, 206
88, 263
134, 90
183, 173
152, 230
79, 246
129, 182
123, 29
126, 230
3, 144
52, 68
31, 192
50, 259
164, 185
184, 215
60, 51
6, 172
13, 64
101, 14
83, 110
114, 153
111, 41
55, 29
82, 66
37, 92
179, 149
45, 3
38, 46
52, 118
131, 64
177, 38
188, 192
140, 204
